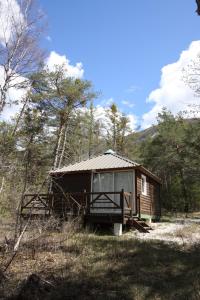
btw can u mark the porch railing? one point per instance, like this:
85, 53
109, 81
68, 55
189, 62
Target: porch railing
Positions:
80, 203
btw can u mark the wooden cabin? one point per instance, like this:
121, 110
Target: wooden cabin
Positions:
109, 188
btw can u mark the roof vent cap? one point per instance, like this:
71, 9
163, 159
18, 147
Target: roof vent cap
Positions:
109, 151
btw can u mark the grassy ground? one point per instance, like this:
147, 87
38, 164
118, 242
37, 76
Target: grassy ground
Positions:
74, 265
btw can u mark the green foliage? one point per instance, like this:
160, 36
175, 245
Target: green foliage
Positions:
56, 94
173, 154
119, 128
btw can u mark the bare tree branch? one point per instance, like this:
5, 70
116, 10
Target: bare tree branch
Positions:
20, 54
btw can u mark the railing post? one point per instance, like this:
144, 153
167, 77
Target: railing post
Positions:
84, 203
50, 200
131, 204
138, 202
22, 204
122, 204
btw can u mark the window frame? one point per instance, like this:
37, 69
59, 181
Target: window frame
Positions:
144, 184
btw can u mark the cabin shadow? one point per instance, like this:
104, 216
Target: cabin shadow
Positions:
127, 269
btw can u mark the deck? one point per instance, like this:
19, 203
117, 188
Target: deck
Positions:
106, 207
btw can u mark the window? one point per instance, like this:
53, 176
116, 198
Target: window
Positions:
144, 185
111, 182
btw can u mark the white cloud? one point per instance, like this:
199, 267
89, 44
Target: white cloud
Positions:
56, 59
133, 121
101, 115
173, 92
128, 103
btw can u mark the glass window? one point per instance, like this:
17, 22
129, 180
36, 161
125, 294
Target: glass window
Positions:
103, 182
144, 184
124, 180
113, 182
110, 182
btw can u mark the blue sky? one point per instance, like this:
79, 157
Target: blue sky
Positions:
123, 45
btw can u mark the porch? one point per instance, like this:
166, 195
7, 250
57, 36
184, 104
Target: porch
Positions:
103, 207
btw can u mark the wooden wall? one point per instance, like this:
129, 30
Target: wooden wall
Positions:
150, 203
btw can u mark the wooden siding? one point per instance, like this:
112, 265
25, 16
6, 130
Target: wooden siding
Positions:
149, 203
79, 182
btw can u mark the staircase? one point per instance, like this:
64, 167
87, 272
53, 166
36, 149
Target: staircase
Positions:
139, 224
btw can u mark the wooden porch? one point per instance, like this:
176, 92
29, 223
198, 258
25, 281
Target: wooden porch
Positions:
94, 207
65, 204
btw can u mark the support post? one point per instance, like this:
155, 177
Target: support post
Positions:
138, 201
84, 202
122, 204
117, 229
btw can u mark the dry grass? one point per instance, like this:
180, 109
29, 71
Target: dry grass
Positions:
71, 264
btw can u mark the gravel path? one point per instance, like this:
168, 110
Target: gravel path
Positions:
180, 231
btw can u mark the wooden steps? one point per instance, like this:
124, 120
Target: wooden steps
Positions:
140, 225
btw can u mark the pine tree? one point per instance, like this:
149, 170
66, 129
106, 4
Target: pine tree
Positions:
60, 96
119, 128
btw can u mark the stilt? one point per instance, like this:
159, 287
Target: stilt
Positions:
117, 229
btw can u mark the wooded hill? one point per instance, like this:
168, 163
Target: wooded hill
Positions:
171, 150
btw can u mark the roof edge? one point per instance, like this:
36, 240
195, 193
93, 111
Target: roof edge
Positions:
149, 173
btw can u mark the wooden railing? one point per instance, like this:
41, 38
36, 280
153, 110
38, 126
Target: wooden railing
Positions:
37, 202
80, 203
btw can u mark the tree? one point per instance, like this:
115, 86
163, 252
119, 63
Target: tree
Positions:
191, 75
91, 125
119, 128
20, 53
113, 116
170, 154
32, 137
60, 96
87, 137
198, 7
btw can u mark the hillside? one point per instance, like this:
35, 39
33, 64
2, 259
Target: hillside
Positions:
141, 136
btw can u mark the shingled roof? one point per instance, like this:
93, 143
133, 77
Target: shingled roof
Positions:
106, 161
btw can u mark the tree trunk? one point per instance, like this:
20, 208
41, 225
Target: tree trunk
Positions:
63, 147
58, 147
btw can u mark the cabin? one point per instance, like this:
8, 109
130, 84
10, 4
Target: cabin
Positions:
107, 188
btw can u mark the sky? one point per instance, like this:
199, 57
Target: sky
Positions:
133, 51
